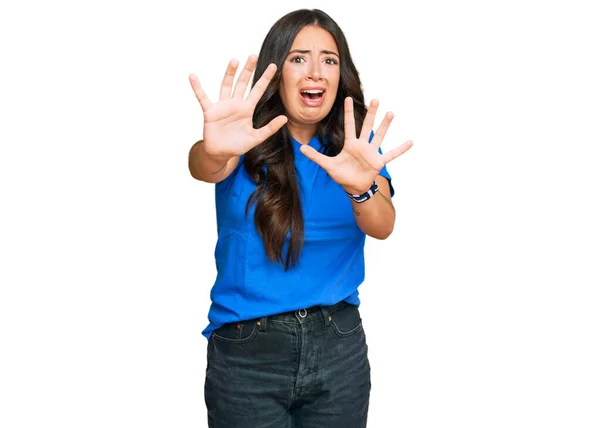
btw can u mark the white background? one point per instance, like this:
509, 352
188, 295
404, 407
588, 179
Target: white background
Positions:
481, 310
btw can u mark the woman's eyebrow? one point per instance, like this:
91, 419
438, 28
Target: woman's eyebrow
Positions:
305, 51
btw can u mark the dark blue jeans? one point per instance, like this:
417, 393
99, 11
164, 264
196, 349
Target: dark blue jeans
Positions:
302, 369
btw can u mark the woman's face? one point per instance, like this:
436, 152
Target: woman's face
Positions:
309, 78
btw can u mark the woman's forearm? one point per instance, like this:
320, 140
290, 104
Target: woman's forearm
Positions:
205, 167
376, 216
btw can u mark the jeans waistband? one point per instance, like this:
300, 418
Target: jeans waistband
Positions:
304, 314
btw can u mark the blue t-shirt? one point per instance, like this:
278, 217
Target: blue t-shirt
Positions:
331, 264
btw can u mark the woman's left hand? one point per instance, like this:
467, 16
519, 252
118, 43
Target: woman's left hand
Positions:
358, 164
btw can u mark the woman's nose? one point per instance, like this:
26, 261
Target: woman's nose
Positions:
314, 71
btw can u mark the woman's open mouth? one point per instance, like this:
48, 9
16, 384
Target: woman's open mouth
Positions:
312, 97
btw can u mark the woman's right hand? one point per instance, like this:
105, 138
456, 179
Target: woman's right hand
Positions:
228, 129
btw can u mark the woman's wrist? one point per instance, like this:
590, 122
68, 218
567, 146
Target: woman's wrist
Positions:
215, 158
359, 197
204, 166
352, 190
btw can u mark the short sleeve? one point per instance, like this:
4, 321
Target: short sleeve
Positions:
384, 172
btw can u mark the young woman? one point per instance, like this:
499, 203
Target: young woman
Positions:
300, 183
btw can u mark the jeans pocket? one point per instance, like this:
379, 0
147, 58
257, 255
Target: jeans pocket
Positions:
240, 332
347, 321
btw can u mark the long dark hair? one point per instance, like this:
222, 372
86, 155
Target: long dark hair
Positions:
278, 212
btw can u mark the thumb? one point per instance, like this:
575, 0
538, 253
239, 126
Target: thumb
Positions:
318, 158
270, 128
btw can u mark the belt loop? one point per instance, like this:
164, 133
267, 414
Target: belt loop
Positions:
326, 317
262, 324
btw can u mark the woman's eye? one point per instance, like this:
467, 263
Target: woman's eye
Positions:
297, 59
330, 61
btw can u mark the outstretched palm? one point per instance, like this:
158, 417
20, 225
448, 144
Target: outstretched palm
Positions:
228, 129
358, 164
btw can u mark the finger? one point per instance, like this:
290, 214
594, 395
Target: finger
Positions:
270, 128
349, 126
242, 82
393, 154
227, 83
382, 130
261, 85
365, 132
318, 158
205, 103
